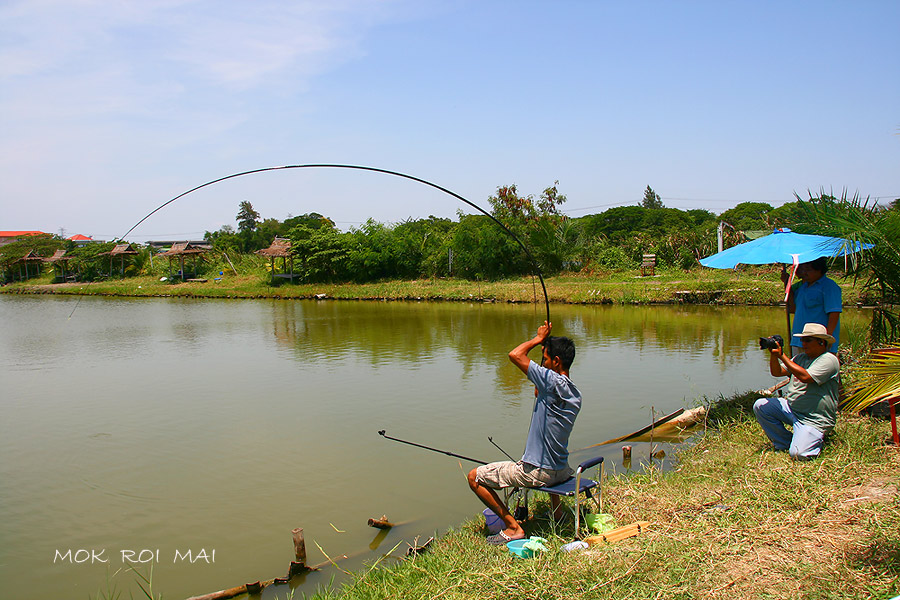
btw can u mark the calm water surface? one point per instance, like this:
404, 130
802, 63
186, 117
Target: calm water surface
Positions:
171, 425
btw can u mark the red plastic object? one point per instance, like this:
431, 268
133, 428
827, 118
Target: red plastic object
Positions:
892, 403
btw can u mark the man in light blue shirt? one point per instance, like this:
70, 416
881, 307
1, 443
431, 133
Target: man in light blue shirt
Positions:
817, 299
545, 461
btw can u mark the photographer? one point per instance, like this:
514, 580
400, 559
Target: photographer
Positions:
810, 401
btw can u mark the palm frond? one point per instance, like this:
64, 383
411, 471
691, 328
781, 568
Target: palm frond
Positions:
880, 379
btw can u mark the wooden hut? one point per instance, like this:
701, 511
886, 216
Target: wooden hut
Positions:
280, 248
180, 250
60, 261
121, 250
31, 258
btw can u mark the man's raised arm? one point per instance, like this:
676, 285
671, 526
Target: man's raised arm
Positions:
519, 354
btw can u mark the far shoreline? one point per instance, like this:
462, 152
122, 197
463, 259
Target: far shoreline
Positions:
752, 287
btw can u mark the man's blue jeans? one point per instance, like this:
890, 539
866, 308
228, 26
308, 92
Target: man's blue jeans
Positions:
773, 414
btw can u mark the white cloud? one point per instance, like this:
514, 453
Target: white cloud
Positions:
227, 43
90, 87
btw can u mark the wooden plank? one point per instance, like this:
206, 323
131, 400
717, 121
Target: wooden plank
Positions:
616, 535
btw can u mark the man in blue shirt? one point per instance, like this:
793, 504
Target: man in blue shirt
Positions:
545, 461
817, 299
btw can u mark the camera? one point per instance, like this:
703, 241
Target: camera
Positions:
770, 343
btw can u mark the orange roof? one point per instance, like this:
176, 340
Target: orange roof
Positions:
81, 238
20, 233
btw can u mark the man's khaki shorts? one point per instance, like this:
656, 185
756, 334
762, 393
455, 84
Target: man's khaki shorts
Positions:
504, 474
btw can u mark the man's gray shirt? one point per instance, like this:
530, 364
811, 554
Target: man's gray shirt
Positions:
555, 408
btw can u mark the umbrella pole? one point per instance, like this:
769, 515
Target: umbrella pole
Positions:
787, 295
787, 314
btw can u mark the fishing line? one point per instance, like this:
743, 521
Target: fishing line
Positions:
535, 269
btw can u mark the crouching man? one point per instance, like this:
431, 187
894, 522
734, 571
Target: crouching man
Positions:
546, 458
810, 401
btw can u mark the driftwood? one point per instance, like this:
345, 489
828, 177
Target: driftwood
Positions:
297, 567
257, 586
774, 388
615, 535
415, 548
381, 523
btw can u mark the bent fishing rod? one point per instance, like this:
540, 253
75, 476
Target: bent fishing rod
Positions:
453, 454
534, 265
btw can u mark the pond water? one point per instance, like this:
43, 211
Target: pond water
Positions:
168, 425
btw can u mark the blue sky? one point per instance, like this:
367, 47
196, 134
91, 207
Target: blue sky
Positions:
109, 109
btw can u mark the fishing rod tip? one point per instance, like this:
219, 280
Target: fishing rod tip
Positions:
381, 432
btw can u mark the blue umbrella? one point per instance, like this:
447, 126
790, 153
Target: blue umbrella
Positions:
781, 247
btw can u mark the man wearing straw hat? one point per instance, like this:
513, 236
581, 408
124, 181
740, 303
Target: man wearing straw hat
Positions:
810, 401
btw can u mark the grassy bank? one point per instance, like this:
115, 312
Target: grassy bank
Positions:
746, 286
734, 520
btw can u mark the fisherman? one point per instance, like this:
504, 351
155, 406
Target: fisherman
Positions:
810, 401
545, 461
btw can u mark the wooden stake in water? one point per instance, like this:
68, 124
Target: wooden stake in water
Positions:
299, 546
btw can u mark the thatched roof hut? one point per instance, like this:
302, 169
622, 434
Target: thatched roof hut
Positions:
180, 250
279, 248
32, 258
61, 261
120, 250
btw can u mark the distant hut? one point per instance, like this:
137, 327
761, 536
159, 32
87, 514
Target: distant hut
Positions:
121, 250
60, 261
180, 250
280, 248
31, 258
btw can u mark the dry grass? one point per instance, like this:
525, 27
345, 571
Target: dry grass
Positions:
734, 520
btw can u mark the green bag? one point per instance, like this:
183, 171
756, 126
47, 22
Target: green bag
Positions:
600, 523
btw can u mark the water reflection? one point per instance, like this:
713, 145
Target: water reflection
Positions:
164, 423
333, 333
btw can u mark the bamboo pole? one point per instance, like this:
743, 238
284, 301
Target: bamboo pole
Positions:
225, 254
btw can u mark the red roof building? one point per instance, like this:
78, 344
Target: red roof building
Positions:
8, 237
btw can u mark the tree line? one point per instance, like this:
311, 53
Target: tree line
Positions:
474, 247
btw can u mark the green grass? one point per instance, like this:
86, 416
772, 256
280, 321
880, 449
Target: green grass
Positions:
733, 520
758, 285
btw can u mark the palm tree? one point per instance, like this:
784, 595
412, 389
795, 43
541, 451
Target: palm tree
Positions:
863, 221
880, 379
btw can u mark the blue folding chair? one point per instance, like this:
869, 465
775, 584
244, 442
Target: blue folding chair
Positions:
576, 485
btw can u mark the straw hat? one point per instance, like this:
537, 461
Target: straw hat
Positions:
815, 330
